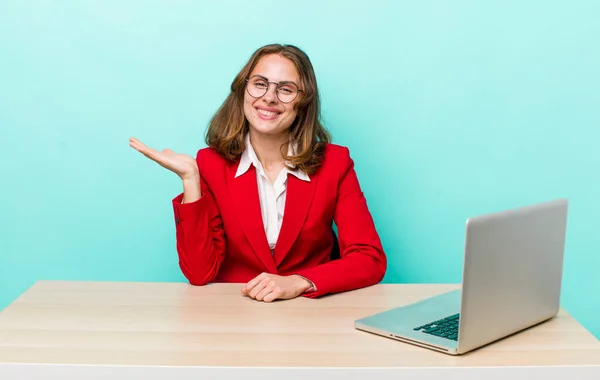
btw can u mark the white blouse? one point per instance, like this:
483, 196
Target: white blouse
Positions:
272, 195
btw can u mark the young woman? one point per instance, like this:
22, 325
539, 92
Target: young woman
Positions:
259, 203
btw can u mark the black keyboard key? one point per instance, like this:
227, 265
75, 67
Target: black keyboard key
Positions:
445, 327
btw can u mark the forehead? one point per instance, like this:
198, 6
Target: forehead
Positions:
276, 68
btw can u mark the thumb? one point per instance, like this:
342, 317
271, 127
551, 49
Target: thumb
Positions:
169, 151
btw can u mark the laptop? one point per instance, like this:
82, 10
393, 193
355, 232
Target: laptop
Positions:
511, 280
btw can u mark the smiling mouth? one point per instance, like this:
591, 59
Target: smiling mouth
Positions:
267, 114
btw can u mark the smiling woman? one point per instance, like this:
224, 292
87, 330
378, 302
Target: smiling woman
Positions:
259, 203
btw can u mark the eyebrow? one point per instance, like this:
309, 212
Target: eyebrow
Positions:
283, 81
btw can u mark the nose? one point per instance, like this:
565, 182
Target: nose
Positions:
271, 94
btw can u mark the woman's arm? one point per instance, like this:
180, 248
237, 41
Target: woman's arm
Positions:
363, 261
201, 242
199, 229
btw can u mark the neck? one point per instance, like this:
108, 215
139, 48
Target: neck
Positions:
268, 149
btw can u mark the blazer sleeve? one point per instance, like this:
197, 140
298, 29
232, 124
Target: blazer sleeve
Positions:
363, 261
200, 237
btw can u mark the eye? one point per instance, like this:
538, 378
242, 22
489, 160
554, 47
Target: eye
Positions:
260, 84
286, 90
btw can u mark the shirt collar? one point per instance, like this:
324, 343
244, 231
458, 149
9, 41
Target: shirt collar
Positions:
249, 157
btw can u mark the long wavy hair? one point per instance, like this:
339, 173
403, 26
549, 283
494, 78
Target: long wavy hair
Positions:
229, 125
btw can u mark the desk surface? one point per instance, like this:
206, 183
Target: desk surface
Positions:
176, 324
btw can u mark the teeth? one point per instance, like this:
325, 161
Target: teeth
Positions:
266, 113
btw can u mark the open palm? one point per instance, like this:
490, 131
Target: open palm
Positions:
181, 164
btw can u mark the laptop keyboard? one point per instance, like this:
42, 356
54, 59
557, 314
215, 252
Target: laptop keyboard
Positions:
445, 327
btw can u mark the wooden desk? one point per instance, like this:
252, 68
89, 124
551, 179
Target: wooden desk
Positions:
180, 331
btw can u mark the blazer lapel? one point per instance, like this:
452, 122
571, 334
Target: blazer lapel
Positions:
299, 196
244, 191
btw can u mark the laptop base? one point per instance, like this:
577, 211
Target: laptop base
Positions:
401, 323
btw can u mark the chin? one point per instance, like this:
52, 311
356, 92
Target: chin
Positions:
267, 130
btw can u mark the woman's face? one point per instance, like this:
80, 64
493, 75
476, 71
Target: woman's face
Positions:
268, 114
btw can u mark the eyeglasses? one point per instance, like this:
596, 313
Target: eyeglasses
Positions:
259, 85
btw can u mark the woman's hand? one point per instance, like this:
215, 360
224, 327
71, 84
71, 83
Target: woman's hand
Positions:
181, 164
269, 287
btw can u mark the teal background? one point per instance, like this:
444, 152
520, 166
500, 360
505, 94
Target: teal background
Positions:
450, 109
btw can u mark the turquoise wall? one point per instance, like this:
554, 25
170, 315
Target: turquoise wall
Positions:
450, 109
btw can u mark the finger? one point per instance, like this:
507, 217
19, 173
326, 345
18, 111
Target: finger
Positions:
272, 296
252, 283
257, 289
145, 149
265, 283
133, 142
266, 290
142, 148
245, 291
169, 151
138, 146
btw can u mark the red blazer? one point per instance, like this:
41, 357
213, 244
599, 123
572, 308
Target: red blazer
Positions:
221, 236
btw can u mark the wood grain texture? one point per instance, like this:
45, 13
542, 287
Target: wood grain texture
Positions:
176, 324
